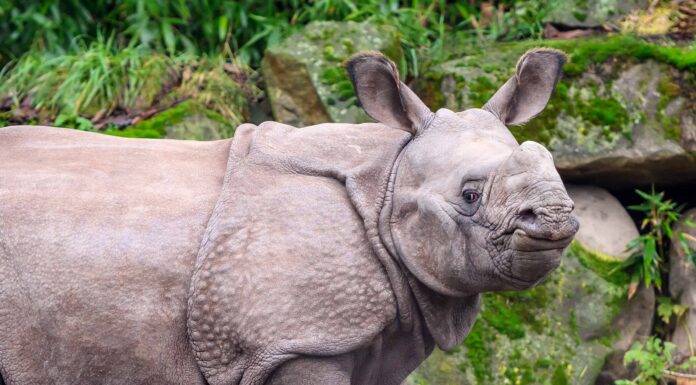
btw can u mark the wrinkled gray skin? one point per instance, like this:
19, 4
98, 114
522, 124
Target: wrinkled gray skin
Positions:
332, 254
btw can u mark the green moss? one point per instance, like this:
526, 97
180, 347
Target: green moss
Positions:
132, 132
478, 353
602, 264
336, 80
534, 336
480, 90
667, 88
584, 52
559, 376
672, 127
604, 112
156, 127
503, 317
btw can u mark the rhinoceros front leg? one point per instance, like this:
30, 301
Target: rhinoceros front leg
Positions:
313, 371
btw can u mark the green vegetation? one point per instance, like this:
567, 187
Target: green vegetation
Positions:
247, 27
531, 336
604, 265
83, 89
97, 77
647, 263
598, 50
653, 358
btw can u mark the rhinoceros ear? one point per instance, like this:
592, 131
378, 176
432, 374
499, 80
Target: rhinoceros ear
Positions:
526, 94
382, 95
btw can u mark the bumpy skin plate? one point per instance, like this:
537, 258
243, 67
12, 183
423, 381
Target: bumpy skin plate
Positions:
286, 268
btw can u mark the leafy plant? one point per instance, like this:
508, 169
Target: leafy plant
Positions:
76, 121
652, 359
646, 263
666, 309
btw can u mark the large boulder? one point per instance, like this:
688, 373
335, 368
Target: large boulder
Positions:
682, 287
605, 226
305, 80
564, 331
623, 115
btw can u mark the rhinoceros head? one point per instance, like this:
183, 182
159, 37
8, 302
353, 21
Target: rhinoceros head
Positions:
471, 209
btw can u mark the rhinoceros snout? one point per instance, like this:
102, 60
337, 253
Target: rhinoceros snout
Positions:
545, 230
549, 221
539, 238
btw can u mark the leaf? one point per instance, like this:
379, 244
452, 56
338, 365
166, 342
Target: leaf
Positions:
168, 36
679, 309
632, 289
61, 119
84, 124
222, 27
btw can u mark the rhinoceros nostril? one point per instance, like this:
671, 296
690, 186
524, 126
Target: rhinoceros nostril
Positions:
527, 215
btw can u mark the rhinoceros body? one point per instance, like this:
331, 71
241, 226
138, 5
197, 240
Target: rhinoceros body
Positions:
331, 254
98, 238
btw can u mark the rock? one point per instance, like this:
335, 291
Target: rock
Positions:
592, 13
305, 80
657, 21
571, 329
653, 147
200, 126
188, 120
615, 121
605, 226
634, 324
682, 287
605, 230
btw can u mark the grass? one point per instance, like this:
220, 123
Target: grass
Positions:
76, 90
97, 77
248, 27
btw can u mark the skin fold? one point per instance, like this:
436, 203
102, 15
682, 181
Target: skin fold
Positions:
331, 254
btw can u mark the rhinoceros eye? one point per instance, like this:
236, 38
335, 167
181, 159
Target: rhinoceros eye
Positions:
471, 196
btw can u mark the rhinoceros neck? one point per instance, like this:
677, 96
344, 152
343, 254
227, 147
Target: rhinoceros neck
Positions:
447, 319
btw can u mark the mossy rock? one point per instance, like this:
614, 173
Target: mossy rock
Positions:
305, 80
622, 115
591, 13
557, 333
188, 120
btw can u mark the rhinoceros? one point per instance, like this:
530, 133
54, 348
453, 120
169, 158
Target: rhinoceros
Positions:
331, 254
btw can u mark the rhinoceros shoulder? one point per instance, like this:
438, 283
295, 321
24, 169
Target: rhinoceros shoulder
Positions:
286, 266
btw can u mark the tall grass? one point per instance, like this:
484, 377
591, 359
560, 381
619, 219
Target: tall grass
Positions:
246, 27
101, 79
95, 77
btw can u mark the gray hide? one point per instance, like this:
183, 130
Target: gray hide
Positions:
331, 254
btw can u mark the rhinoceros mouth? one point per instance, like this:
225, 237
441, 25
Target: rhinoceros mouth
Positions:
522, 241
